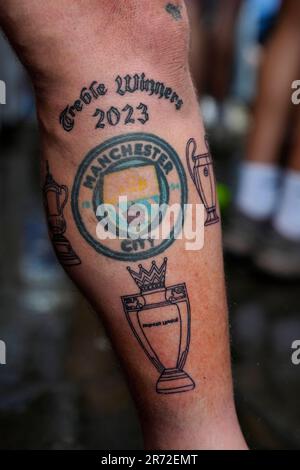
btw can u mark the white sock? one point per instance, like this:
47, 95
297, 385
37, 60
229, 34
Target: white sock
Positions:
287, 220
258, 189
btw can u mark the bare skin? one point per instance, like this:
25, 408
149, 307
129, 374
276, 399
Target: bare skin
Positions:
64, 49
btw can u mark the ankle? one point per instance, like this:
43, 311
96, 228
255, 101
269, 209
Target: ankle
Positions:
192, 428
222, 435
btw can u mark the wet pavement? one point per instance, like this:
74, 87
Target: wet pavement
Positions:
62, 387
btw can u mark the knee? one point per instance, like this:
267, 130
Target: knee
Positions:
155, 32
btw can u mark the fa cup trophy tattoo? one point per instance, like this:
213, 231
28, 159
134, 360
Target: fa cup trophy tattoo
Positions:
160, 318
203, 176
55, 199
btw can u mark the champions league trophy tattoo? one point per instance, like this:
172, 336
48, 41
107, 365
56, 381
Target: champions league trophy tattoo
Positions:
203, 177
159, 317
55, 199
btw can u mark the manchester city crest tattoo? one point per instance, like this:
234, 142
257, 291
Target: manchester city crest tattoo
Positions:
142, 170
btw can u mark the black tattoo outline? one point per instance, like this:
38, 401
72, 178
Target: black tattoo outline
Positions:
130, 84
55, 198
113, 116
174, 11
129, 110
149, 324
87, 96
127, 84
144, 112
101, 113
203, 177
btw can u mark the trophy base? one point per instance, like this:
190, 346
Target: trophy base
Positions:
212, 217
174, 381
64, 252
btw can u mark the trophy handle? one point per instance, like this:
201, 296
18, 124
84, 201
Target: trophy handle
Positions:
185, 314
191, 148
64, 190
178, 294
207, 143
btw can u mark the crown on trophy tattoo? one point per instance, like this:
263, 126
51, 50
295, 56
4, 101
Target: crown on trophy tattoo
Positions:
160, 319
202, 174
150, 280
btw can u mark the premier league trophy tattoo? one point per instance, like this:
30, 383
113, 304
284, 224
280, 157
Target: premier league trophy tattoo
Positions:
203, 176
55, 199
160, 318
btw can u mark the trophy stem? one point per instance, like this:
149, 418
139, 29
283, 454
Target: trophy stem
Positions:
174, 381
64, 251
212, 216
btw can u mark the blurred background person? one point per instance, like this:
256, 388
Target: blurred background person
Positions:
212, 46
268, 192
226, 42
